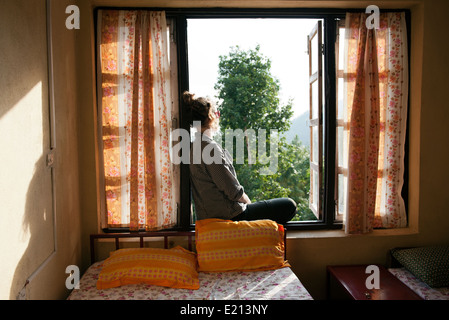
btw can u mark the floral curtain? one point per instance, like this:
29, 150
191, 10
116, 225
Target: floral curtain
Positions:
376, 93
135, 110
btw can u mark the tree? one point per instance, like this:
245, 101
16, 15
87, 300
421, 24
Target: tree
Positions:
249, 93
249, 99
294, 159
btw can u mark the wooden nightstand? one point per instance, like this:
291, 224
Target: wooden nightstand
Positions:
348, 282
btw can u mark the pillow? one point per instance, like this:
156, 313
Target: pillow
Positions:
175, 268
429, 264
225, 245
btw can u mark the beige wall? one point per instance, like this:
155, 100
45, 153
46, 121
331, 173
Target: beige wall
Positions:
39, 233
75, 170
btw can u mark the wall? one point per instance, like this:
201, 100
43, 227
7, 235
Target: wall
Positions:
310, 252
24, 108
40, 232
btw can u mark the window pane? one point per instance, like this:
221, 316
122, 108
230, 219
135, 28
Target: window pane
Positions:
340, 146
315, 189
340, 98
342, 182
315, 144
341, 48
315, 100
314, 51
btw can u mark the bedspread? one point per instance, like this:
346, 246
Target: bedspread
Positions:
261, 285
419, 287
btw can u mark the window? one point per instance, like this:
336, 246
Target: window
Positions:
315, 52
341, 172
318, 55
268, 67
321, 203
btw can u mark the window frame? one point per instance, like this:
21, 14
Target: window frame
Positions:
330, 19
316, 121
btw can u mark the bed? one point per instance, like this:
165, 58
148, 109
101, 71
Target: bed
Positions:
239, 283
425, 270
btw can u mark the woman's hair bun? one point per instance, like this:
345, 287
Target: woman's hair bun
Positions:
199, 108
188, 97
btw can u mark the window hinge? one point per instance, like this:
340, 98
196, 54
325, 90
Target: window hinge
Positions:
174, 123
50, 159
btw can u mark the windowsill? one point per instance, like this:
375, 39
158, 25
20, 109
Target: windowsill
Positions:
309, 234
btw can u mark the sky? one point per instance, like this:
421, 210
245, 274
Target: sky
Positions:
283, 41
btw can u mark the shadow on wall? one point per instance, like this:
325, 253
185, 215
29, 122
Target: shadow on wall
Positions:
24, 78
38, 226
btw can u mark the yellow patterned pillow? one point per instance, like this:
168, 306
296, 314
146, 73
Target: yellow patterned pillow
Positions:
175, 268
224, 245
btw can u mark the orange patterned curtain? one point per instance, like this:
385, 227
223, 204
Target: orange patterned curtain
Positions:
376, 88
135, 114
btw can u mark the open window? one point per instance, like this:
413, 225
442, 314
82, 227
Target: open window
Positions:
315, 52
341, 178
318, 42
235, 40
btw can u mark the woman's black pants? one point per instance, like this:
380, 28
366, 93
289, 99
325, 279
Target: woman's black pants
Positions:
280, 210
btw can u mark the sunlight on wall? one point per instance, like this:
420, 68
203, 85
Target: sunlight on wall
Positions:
22, 141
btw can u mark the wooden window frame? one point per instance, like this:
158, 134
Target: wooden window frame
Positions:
316, 122
330, 19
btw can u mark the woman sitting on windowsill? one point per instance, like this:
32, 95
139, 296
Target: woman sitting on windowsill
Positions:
216, 190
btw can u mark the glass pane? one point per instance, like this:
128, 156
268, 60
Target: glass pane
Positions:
314, 53
341, 48
340, 146
315, 189
315, 146
340, 99
311, 195
315, 100
342, 182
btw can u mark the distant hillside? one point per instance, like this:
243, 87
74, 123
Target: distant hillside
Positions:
300, 127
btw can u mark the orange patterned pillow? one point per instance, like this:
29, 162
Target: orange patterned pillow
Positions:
175, 268
225, 245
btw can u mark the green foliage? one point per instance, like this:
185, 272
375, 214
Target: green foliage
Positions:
249, 99
249, 93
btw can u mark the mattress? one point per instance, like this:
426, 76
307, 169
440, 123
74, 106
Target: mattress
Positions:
419, 287
279, 284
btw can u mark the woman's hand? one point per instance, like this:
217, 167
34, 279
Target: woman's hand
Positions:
245, 199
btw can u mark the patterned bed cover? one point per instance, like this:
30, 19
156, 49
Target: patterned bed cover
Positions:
261, 285
419, 287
